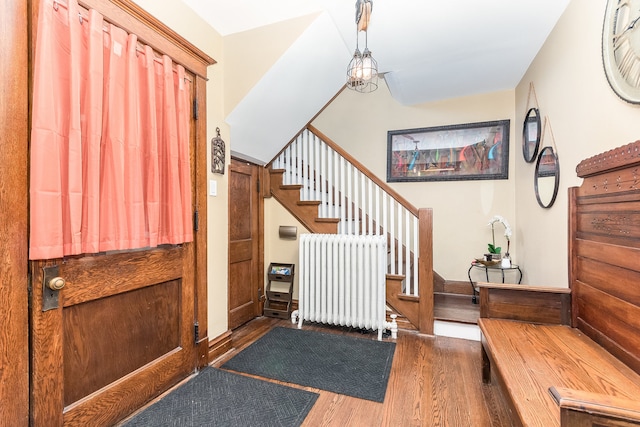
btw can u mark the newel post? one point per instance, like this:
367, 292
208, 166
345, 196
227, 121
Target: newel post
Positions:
425, 269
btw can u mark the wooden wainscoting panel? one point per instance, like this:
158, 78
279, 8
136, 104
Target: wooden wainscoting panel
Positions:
141, 335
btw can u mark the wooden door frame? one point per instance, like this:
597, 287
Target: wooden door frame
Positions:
18, 18
14, 172
14, 102
260, 171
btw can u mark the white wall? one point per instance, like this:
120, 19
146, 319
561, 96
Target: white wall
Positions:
276, 249
586, 118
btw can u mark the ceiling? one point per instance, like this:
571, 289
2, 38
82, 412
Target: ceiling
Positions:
427, 50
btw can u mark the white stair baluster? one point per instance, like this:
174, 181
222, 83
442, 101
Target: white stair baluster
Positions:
416, 248
343, 205
407, 246
392, 230
349, 200
399, 248
304, 162
321, 177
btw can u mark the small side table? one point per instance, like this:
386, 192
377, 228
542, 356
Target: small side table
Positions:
487, 268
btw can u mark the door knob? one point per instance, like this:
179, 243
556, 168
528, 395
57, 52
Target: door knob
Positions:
56, 283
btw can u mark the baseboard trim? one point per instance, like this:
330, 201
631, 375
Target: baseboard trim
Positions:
219, 346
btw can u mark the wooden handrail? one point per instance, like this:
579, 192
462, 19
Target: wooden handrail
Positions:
398, 198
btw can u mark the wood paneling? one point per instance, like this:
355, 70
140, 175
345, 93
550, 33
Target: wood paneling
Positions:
605, 257
141, 268
245, 258
598, 275
240, 208
525, 303
14, 346
109, 338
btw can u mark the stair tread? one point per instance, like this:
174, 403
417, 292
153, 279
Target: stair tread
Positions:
408, 297
332, 220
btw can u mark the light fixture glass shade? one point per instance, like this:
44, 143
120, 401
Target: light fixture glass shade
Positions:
369, 72
354, 71
362, 72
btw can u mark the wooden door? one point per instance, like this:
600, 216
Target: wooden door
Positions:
120, 332
123, 328
245, 276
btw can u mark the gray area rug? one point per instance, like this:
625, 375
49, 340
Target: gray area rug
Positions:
355, 367
219, 398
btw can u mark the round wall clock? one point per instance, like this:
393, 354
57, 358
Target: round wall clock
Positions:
621, 48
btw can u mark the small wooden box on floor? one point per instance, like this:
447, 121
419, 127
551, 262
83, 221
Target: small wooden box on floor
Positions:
279, 290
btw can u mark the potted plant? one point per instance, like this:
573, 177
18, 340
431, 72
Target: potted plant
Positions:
495, 251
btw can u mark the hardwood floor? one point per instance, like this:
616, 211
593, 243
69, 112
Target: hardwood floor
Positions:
435, 381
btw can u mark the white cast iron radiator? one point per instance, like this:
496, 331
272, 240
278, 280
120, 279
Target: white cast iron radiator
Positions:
342, 280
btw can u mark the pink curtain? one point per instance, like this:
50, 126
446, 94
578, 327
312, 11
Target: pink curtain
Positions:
110, 166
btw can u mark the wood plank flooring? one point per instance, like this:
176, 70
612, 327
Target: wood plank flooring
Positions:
435, 381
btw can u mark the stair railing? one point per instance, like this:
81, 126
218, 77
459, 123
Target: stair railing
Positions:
349, 191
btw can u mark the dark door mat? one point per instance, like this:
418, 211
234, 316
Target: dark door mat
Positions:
341, 364
220, 398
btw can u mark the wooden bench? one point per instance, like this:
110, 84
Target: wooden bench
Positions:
530, 360
571, 356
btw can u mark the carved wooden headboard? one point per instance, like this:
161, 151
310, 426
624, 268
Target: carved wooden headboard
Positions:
604, 251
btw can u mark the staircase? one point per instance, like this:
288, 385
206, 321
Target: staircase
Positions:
330, 192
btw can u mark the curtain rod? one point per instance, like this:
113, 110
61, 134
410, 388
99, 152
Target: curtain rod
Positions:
139, 49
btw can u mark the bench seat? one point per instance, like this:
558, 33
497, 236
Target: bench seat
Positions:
528, 359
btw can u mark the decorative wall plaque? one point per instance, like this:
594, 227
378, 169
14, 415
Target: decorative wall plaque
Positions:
217, 154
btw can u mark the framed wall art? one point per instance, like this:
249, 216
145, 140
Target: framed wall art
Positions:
449, 153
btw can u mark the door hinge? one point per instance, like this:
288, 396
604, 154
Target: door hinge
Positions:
196, 333
195, 109
258, 185
196, 221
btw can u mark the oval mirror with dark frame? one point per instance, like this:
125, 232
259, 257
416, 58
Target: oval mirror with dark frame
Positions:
547, 177
531, 135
